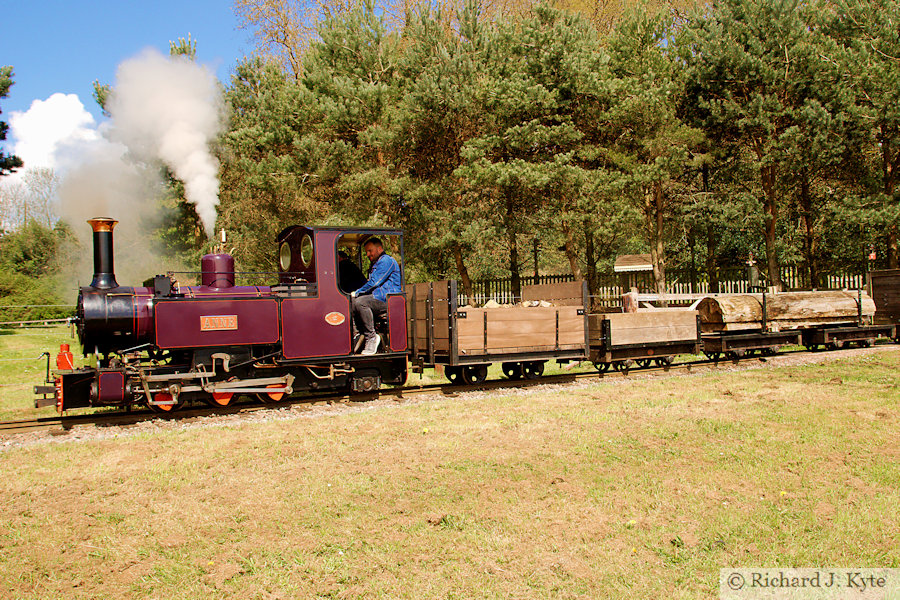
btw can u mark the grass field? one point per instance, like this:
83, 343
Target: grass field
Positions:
619, 489
21, 367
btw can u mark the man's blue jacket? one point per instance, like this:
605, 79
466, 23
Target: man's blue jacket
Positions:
384, 279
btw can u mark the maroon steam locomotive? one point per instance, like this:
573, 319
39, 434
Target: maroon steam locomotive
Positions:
168, 344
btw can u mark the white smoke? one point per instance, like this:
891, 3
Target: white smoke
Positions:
170, 109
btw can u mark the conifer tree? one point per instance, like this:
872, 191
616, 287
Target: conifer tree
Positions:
748, 80
653, 147
8, 162
865, 60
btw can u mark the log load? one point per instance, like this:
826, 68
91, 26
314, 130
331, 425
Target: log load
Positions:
787, 310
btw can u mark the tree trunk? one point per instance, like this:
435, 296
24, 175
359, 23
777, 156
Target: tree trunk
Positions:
590, 259
712, 272
463, 273
809, 242
770, 208
515, 279
570, 250
653, 215
889, 173
893, 248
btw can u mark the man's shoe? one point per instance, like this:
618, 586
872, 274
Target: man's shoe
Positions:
371, 346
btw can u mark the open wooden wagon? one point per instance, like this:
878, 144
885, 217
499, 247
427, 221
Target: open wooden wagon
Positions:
464, 341
642, 338
551, 323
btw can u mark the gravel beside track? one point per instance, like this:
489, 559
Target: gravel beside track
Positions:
338, 406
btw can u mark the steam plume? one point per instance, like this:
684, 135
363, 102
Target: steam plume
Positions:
170, 109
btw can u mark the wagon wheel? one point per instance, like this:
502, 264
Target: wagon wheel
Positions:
622, 366
512, 370
735, 354
533, 369
644, 363
603, 367
269, 397
454, 374
219, 399
663, 361
165, 408
866, 343
474, 374
713, 356
812, 347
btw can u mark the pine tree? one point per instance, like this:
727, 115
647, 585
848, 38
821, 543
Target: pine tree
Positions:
653, 147
865, 60
8, 162
749, 78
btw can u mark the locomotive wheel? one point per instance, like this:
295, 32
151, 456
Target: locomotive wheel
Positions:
267, 397
512, 370
533, 369
454, 374
603, 367
220, 398
165, 408
474, 374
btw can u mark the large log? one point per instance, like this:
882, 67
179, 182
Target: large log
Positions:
787, 310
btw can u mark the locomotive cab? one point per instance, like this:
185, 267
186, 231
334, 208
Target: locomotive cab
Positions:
316, 310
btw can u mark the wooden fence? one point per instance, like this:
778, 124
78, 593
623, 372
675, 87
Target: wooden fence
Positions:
734, 280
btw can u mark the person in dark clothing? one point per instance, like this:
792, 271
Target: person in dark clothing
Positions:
350, 278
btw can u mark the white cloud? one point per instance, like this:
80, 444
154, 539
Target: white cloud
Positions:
52, 132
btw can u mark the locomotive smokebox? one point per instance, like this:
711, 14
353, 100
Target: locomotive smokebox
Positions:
104, 274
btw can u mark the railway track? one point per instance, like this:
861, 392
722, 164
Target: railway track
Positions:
63, 424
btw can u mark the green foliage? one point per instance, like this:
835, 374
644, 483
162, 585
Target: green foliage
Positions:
31, 262
8, 162
750, 128
101, 95
184, 47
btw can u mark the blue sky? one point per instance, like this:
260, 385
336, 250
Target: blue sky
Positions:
63, 46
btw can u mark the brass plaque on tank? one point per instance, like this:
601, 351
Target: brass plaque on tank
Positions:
218, 322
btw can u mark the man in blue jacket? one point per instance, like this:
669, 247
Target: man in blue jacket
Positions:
371, 299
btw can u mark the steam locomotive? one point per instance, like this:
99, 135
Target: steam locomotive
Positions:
169, 344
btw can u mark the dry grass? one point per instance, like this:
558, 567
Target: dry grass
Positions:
631, 489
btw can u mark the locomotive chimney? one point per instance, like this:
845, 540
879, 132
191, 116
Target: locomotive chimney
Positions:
104, 276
